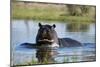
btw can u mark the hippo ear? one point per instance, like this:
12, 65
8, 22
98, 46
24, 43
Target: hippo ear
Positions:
54, 25
40, 24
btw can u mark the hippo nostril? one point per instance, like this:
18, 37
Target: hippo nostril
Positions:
44, 36
44, 33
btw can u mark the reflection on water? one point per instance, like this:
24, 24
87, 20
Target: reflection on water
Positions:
77, 27
26, 30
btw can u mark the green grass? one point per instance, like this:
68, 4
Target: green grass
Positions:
46, 13
34, 62
65, 60
74, 58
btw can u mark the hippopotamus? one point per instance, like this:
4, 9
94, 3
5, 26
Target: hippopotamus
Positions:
47, 42
47, 35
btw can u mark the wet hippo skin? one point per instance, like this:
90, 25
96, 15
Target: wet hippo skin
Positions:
63, 42
68, 42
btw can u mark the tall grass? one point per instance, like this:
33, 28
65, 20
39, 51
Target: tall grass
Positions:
47, 12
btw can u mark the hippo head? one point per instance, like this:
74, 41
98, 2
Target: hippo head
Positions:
46, 34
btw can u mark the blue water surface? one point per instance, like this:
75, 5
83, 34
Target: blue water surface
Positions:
25, 31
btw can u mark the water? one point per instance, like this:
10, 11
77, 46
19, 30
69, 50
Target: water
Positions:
25, 31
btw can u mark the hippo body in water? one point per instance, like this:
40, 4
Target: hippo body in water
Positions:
47, 35
47, 42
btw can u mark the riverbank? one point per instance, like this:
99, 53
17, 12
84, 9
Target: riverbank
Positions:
48, 12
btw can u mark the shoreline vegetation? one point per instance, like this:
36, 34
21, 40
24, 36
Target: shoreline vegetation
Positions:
53, 12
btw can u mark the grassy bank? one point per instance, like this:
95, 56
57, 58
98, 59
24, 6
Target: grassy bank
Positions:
45, 12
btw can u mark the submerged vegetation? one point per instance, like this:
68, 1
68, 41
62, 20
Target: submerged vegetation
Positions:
34, 62
53, 12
